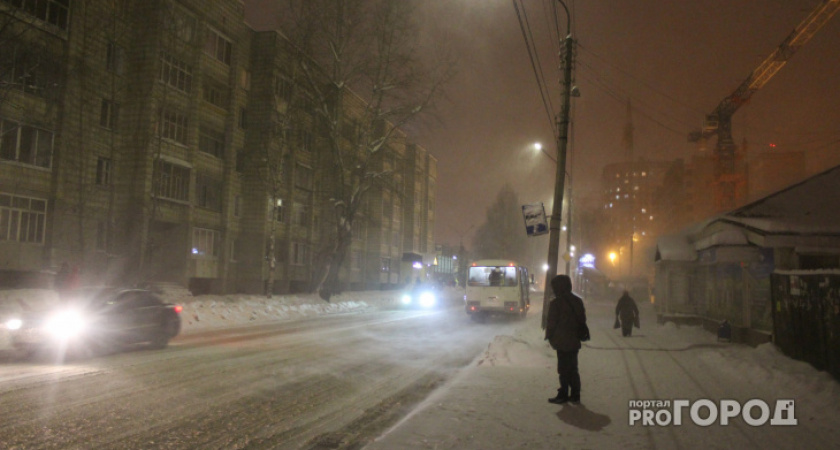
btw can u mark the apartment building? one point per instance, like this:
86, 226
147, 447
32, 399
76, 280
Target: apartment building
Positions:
128, 135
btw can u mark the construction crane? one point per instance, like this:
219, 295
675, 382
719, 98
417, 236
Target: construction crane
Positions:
730, 170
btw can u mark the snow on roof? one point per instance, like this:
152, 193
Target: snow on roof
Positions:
733, 236
806, 207
675, 248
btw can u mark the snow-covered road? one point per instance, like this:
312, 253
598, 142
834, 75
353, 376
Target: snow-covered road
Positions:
295, 372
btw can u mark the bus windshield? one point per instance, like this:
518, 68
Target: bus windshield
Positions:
492, 276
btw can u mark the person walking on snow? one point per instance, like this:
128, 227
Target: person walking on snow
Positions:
628, 314
565, 314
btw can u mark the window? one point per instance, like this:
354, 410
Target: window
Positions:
299, 254
245, 79
385, 264
215, 93
173, 181
54, 12
205, 243
278, 210
208, 192
180, 24
243, 118
22, 219
211, 141
108, 114
301, 214
218, 46
303, 177
356, 260
175, 73
103, 171
115, 58
174, 126
237, 206
25, 144
234, 244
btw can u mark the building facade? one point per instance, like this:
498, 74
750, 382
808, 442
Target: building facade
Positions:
125, 129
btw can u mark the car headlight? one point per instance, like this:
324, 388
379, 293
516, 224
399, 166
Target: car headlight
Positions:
406, 299
65, 324
14, 324
427, 299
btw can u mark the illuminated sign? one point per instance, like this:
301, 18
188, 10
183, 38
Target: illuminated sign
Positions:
587, 260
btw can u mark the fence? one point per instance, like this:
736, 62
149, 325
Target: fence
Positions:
806, 317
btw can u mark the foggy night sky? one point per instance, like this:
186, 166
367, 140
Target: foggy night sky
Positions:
674, 60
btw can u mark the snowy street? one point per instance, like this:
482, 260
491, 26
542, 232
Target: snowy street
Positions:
294, 372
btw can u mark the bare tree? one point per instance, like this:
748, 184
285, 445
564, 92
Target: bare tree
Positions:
367, 50
503, 234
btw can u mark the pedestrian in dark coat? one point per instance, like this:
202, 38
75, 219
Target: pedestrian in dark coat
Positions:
565, 315
627, 312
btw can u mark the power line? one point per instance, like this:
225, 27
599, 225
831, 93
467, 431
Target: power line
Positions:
531, 51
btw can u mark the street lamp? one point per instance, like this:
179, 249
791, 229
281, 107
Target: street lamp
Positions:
560, 176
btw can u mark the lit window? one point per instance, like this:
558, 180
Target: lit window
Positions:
205, 243
651, 217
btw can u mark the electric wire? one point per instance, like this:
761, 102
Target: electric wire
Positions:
536, 55
531, 51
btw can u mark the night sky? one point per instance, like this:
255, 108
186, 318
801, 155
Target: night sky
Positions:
674, 60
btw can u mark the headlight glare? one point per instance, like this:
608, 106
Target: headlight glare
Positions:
14, 324
65, 324
427, 299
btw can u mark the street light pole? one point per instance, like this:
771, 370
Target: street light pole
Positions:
560, 176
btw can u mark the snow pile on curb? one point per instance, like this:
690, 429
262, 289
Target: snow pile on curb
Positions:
206, 312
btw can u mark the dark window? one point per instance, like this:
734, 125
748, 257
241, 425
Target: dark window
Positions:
215, 93
25, 144
218, 47
103, 171
109, 114
175, 72
174, 125
53, 12
22, 219
211, 141
173, 181
208, 192
115, 58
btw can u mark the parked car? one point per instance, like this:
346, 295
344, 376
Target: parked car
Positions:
106, 318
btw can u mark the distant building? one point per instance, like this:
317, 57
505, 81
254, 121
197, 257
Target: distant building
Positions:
125, 128
629, 193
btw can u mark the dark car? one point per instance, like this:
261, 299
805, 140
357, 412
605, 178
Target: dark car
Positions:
96, 319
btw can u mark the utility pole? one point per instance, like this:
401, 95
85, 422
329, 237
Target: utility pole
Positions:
560, 177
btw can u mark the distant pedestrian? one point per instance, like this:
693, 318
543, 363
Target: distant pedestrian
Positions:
627, 313
566, 315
